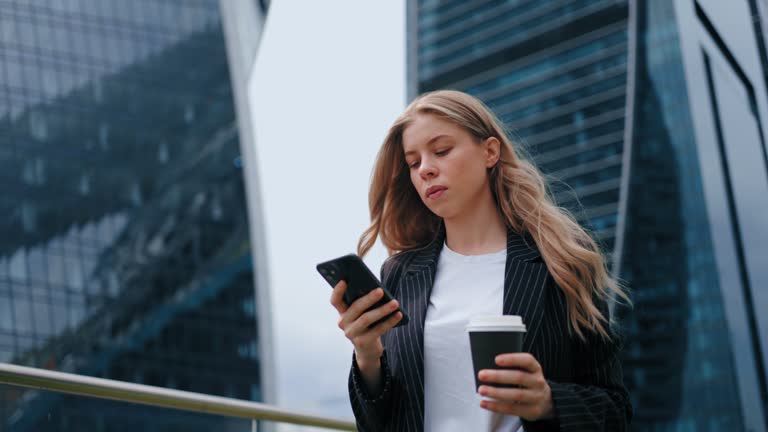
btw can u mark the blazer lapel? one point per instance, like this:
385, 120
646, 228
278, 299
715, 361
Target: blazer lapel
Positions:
414, 290
525, 279
422, 269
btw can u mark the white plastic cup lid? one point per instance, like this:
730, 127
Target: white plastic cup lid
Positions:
496, 323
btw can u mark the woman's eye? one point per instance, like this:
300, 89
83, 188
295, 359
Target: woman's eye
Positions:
442, 152
413, 164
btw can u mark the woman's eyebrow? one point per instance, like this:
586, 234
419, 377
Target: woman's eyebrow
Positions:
430, 142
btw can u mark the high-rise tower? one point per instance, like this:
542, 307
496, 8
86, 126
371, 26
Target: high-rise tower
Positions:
648, 116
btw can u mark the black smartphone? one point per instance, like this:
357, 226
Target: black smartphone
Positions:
360, 281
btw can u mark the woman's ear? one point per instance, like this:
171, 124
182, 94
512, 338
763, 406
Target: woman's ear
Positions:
492, 151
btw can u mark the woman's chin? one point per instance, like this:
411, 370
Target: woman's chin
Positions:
435, 211
441, 211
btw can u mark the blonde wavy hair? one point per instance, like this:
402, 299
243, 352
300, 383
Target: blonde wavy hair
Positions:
403, 222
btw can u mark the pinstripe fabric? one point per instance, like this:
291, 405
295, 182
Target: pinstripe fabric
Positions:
585, 377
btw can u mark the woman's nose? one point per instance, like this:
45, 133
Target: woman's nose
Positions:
427, 169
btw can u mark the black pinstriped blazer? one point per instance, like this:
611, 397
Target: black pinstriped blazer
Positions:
585, 377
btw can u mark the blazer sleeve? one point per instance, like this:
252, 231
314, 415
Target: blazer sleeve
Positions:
596, 399
373, 411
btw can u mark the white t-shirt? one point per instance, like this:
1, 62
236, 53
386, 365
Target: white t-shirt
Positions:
465, 286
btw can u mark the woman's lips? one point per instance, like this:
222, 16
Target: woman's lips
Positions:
435, 192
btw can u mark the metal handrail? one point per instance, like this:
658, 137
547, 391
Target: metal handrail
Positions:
160, 397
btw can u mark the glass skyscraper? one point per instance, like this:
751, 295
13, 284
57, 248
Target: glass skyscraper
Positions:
648, 118
124, 242
549, 72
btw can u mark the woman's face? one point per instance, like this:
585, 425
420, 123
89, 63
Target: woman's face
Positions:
448, 167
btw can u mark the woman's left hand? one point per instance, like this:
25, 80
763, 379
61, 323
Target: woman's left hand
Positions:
532, 401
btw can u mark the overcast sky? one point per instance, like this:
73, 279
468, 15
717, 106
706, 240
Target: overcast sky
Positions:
328, 82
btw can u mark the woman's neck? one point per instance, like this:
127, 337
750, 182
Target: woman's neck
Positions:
479, 231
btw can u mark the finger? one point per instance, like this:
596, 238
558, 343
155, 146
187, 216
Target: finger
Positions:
359, 306
512, 376
337, 296
516, 395
520, 410
362, 324
387, 325
519, 360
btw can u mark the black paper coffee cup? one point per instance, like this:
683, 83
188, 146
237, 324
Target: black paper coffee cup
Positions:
490, 336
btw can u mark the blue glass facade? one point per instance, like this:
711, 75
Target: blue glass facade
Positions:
597, 96
678, 357
553, 76
124, 251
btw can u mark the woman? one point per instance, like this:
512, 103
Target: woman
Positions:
471, 231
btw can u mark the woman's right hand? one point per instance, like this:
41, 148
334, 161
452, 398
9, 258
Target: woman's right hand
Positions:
355, 322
